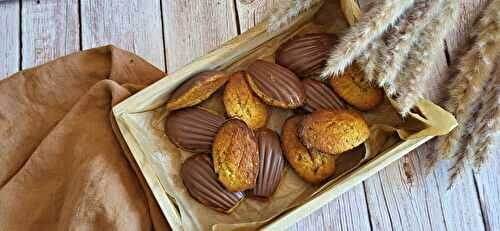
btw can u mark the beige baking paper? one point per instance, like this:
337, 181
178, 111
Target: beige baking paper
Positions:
387, 128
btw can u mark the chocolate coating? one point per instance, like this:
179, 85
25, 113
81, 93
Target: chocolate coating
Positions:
320, 97
193, 129
201, 182
275, 85
271, 163
306, 55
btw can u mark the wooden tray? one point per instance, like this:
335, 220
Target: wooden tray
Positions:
155, 96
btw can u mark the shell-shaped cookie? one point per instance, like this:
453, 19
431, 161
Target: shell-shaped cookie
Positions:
271, 163
306, 55
199, 177
241, 103
320, 97
196, 89
236, 156
275, 85
333, 132
193, 129
354, 90
313, 166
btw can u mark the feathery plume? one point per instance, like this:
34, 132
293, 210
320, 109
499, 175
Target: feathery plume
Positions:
400, 39
474, 71
368, 59
370, 26
416, 69
487, 130
287, 10
483, 131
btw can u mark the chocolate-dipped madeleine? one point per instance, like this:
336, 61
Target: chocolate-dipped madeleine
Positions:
306, 55
313, 166
196, 89
275, 85
193, 129
241, 103
236, 156
271, 163
201, 182
352, 87
333, 132
320, 97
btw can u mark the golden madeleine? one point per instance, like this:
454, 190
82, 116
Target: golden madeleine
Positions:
240, 102
236, 156
196, 89
312, 165
355, 91
333, 132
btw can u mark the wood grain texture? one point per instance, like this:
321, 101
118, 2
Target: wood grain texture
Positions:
131, 25
402, 197
50, 29
193, 28
251, 14
10, 40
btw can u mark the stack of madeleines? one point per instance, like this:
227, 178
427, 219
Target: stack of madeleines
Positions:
236, 154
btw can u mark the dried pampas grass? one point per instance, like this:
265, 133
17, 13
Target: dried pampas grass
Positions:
286, 10
400, 39
420, 58
475, 69
370, 26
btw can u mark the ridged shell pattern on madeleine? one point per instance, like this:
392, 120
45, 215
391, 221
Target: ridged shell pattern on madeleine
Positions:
352, 87
333, 132
306, 55
241, 103
271, 163
313, 166
199, 177
236, 156
196, 89
193, 129
320, 97
275, 85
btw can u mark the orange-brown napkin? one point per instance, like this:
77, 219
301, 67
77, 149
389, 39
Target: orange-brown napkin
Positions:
61, 164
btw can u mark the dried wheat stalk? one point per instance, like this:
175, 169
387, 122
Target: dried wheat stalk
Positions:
368, 59
286, 10
474, 71
400, 40
482, 136
420, 58
370, 26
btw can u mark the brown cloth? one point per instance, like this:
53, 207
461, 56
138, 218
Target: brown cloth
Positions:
61, 164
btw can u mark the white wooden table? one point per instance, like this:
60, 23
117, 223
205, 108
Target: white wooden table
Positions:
171, 33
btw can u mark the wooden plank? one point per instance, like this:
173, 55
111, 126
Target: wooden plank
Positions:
488, 185
9, 44
50, 29
249, 14
349, 211
192, 28
131, 25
